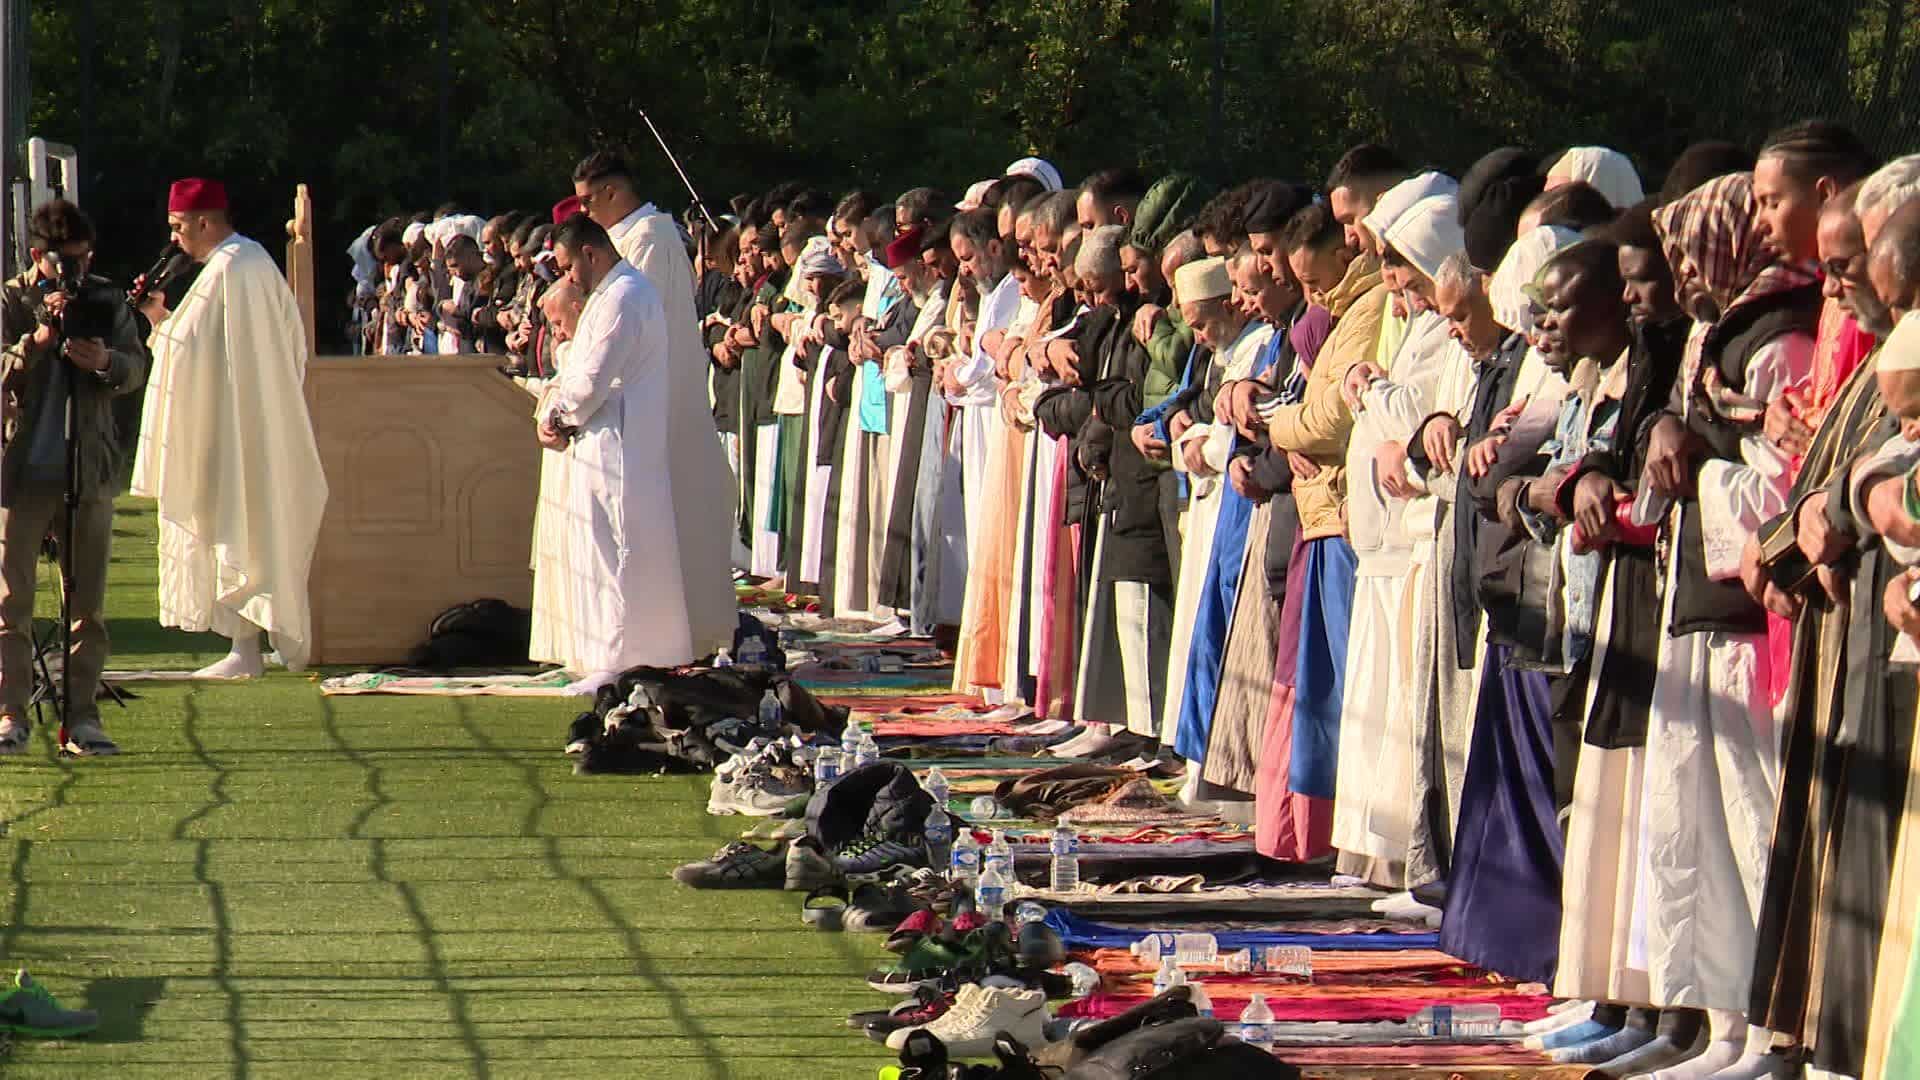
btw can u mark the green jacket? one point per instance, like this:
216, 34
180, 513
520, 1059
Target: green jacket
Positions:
1167, 353
26, 383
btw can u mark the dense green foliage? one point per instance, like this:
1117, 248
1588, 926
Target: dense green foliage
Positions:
345, 95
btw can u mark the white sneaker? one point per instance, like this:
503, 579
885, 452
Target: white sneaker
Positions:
979, 1015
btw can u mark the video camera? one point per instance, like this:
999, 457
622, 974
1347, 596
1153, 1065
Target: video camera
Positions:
92, 306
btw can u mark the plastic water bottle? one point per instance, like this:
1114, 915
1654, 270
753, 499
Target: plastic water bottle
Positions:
826, 767
850, 737
983, 809
1456, 1021
866, 752
1066, 862
771, 711
1027, 911
939, 836
723, 658
1295, 960
990, 896
1149, 949
936, 785
998, 855
753, 650
1256, 1023
1202, 1004
1195, 949
1239, 963
1168, 977
1085, 979
963, 866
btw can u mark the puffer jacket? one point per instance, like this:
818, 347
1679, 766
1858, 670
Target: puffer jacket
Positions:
1320, 425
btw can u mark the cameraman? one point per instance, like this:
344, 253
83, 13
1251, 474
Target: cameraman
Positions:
40, 313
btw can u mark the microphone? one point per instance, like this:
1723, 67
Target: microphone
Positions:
168, 266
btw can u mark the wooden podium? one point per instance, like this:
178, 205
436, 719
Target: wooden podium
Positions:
433, 473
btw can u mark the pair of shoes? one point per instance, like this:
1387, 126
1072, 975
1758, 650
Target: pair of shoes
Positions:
979, 1015
738, 865
87, 739
807, 867
27, 1008
755, 791
877, 908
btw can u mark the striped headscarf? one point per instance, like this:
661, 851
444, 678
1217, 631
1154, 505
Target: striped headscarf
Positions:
1715, 228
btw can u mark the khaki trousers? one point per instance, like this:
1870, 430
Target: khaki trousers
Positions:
23, 525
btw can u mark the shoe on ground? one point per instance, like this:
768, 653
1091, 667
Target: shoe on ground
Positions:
753, 792
921, 923
739, 865
927, 1005
873, 855
807, 868
87, 739
979, 1014
14, 732
878, 909
926, 964
26, 1008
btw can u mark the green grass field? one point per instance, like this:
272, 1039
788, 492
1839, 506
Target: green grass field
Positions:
272, 884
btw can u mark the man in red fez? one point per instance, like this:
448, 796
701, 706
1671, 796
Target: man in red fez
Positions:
226, 445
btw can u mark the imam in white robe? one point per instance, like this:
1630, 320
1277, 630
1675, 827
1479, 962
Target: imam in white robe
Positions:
227, 450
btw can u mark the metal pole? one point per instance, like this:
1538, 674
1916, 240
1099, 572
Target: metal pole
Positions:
446, 97
1217, 123
683, 173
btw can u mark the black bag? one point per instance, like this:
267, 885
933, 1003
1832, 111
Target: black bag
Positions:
477, 634
1193, 1049
882, 798
1519, 589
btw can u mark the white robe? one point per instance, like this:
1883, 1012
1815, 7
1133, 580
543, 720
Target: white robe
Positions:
1203, 515
552, 622
227, 449
629, 595
650, 243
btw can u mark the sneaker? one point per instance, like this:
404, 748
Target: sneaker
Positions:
26, 1008
873, 855
924, 1008
922, 923
739, 865
87, 739
754, 792
14, 731
807, 868
979, 1014
926, 964
919, 999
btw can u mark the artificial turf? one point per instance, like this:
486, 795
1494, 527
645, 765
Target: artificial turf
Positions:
270, 883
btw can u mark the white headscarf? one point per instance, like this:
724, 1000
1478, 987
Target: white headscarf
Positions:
1401, 197
1608, 171
1511, 308
1428, 233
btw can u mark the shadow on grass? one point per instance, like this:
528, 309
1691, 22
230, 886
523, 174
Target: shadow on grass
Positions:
457, 1002
222, 973
123, 1005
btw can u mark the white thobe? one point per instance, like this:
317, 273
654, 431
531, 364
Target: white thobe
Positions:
650, 243
628, 594
227, 449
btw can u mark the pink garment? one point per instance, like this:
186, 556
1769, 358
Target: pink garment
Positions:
1059, 545
1288, 826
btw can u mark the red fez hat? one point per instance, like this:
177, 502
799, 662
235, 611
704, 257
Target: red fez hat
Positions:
191, 195
905, 248
566, 208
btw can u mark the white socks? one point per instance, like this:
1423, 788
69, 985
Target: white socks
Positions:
1759, 1062
1095, 738
1571, 1013
1728, 1045
1402, 907
245, 661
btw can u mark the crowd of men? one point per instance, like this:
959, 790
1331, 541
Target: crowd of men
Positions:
1523, 541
